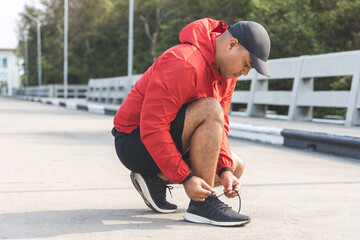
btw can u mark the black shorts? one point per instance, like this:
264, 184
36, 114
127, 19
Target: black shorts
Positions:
134, 155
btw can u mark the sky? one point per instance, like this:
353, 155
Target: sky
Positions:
9, 17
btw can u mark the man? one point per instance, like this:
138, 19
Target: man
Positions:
173, 125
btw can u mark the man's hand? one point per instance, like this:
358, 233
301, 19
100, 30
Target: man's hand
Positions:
230, 183
197, 189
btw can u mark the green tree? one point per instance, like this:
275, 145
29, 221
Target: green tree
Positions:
290, 25
98, 31
339, 25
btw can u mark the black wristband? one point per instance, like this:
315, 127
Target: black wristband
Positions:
223, 170
187, 178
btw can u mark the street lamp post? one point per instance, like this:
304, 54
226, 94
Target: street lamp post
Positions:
38, 26
130, 44
26, 60
66, 7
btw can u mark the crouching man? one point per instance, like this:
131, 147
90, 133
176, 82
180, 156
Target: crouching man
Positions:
173, 126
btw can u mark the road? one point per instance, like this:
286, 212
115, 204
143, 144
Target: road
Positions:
60, 179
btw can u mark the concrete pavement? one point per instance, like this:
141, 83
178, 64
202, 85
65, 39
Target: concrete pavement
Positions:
60, 179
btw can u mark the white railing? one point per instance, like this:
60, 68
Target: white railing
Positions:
53, 91
302, 98
109, 90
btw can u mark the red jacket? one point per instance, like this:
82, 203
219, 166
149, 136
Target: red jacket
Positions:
181, 75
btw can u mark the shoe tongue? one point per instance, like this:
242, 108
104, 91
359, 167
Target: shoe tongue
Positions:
210, 199
216, 201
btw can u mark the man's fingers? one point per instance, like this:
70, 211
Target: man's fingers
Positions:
204, 193
206, 186
198, 190
232, 193
237, 187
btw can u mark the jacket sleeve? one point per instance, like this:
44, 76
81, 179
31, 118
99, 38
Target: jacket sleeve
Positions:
170, 87
225, 162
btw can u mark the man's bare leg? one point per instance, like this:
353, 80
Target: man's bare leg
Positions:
202, 136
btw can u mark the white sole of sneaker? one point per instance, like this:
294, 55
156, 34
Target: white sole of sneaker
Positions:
145, 194
198, 219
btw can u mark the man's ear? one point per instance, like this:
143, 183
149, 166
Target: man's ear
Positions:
233, 42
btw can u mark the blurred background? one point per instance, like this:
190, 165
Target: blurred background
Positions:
98, 34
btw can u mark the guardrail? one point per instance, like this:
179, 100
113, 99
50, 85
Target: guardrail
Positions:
53, 90
300, 100
303, 98
110, 90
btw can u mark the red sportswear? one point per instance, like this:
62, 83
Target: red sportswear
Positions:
181, 75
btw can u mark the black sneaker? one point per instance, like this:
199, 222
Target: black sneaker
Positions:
215, 212
153, 191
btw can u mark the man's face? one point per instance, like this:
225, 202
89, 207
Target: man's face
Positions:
235, 62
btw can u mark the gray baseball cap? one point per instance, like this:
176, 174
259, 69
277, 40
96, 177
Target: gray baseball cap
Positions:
256, 40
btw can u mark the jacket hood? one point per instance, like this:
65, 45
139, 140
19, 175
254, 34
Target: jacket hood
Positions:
199, 34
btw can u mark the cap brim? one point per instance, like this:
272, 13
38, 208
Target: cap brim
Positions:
260, 65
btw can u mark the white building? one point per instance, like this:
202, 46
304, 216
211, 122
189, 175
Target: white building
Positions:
9, 70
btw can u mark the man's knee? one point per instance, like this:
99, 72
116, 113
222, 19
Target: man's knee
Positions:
212, 109
204, 111
238, 165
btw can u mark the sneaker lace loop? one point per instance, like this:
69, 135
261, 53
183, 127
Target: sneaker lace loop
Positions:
223, 205
237, 193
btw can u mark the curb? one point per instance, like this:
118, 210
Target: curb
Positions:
321, 142
92, 108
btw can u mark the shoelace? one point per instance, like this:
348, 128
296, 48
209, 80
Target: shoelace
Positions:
225, 205
161, 182
169, 188
161, 194
237, 195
